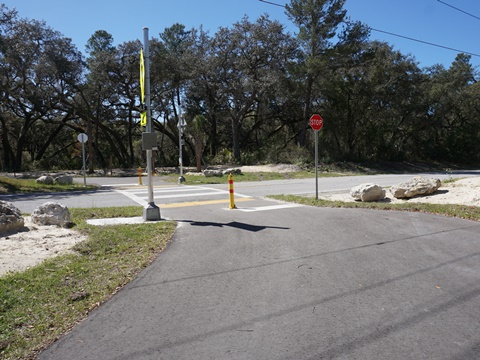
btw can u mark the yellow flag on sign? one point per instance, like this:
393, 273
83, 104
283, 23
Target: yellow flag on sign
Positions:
143, 113
142, 77
143, 118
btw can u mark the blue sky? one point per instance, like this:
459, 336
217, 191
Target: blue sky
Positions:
427, 20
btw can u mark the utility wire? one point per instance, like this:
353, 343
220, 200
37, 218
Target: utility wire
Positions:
272, 3
425, 42
404, 37
463, 11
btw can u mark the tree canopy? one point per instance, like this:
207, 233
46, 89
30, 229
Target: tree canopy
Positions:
246, 92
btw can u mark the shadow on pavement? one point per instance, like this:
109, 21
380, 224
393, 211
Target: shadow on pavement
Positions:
234, 224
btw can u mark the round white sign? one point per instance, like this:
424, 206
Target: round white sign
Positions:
82, 138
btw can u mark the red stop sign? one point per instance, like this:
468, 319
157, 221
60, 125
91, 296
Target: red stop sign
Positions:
316, 122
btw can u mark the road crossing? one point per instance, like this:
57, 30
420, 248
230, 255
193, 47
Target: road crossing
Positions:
179, 195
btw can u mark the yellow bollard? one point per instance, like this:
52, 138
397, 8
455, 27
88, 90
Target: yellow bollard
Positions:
140, 176
232, 196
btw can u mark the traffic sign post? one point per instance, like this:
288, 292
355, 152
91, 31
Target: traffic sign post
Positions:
316, 122
181, 127
83, 139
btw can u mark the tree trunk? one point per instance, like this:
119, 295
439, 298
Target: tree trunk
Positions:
17, 164
236, 140
7, 149
90, 147
198, 148
52, 137
18, 161
130, 135
213, 135
306, 113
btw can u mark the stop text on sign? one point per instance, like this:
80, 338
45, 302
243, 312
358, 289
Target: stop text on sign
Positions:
316, 122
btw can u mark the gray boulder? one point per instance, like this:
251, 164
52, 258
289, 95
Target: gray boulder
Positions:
367, 192
11, 219
47, 180
232, 171
51, 213
64, 180
417, 186
212, 173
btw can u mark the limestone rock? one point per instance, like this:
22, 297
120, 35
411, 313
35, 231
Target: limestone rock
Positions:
232, 171
368, 192
417, 186
212, 173
51, 213
64, 180
11, 219
47, 180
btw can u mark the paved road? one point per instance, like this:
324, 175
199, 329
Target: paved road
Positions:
127, 192
335, 184
279, 281
296, 283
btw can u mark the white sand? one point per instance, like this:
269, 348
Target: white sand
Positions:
462, 192
24, 249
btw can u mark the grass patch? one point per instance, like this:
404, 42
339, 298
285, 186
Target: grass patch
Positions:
42, 303
251, 176
459, 211
10, 185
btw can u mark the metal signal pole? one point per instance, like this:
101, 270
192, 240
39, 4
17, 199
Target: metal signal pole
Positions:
151, 212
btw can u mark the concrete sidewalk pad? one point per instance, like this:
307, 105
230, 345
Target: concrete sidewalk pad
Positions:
120, 221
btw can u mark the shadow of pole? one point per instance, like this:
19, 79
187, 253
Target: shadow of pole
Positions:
235, 224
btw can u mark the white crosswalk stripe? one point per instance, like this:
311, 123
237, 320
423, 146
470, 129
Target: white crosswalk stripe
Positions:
268, 208
184, 192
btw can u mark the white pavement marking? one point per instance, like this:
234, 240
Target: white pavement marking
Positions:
185, 195
121, 185
223, 191
133, 197
164, 190
271, 207
173, 192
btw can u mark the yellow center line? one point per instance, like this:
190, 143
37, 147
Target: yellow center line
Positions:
198, 203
